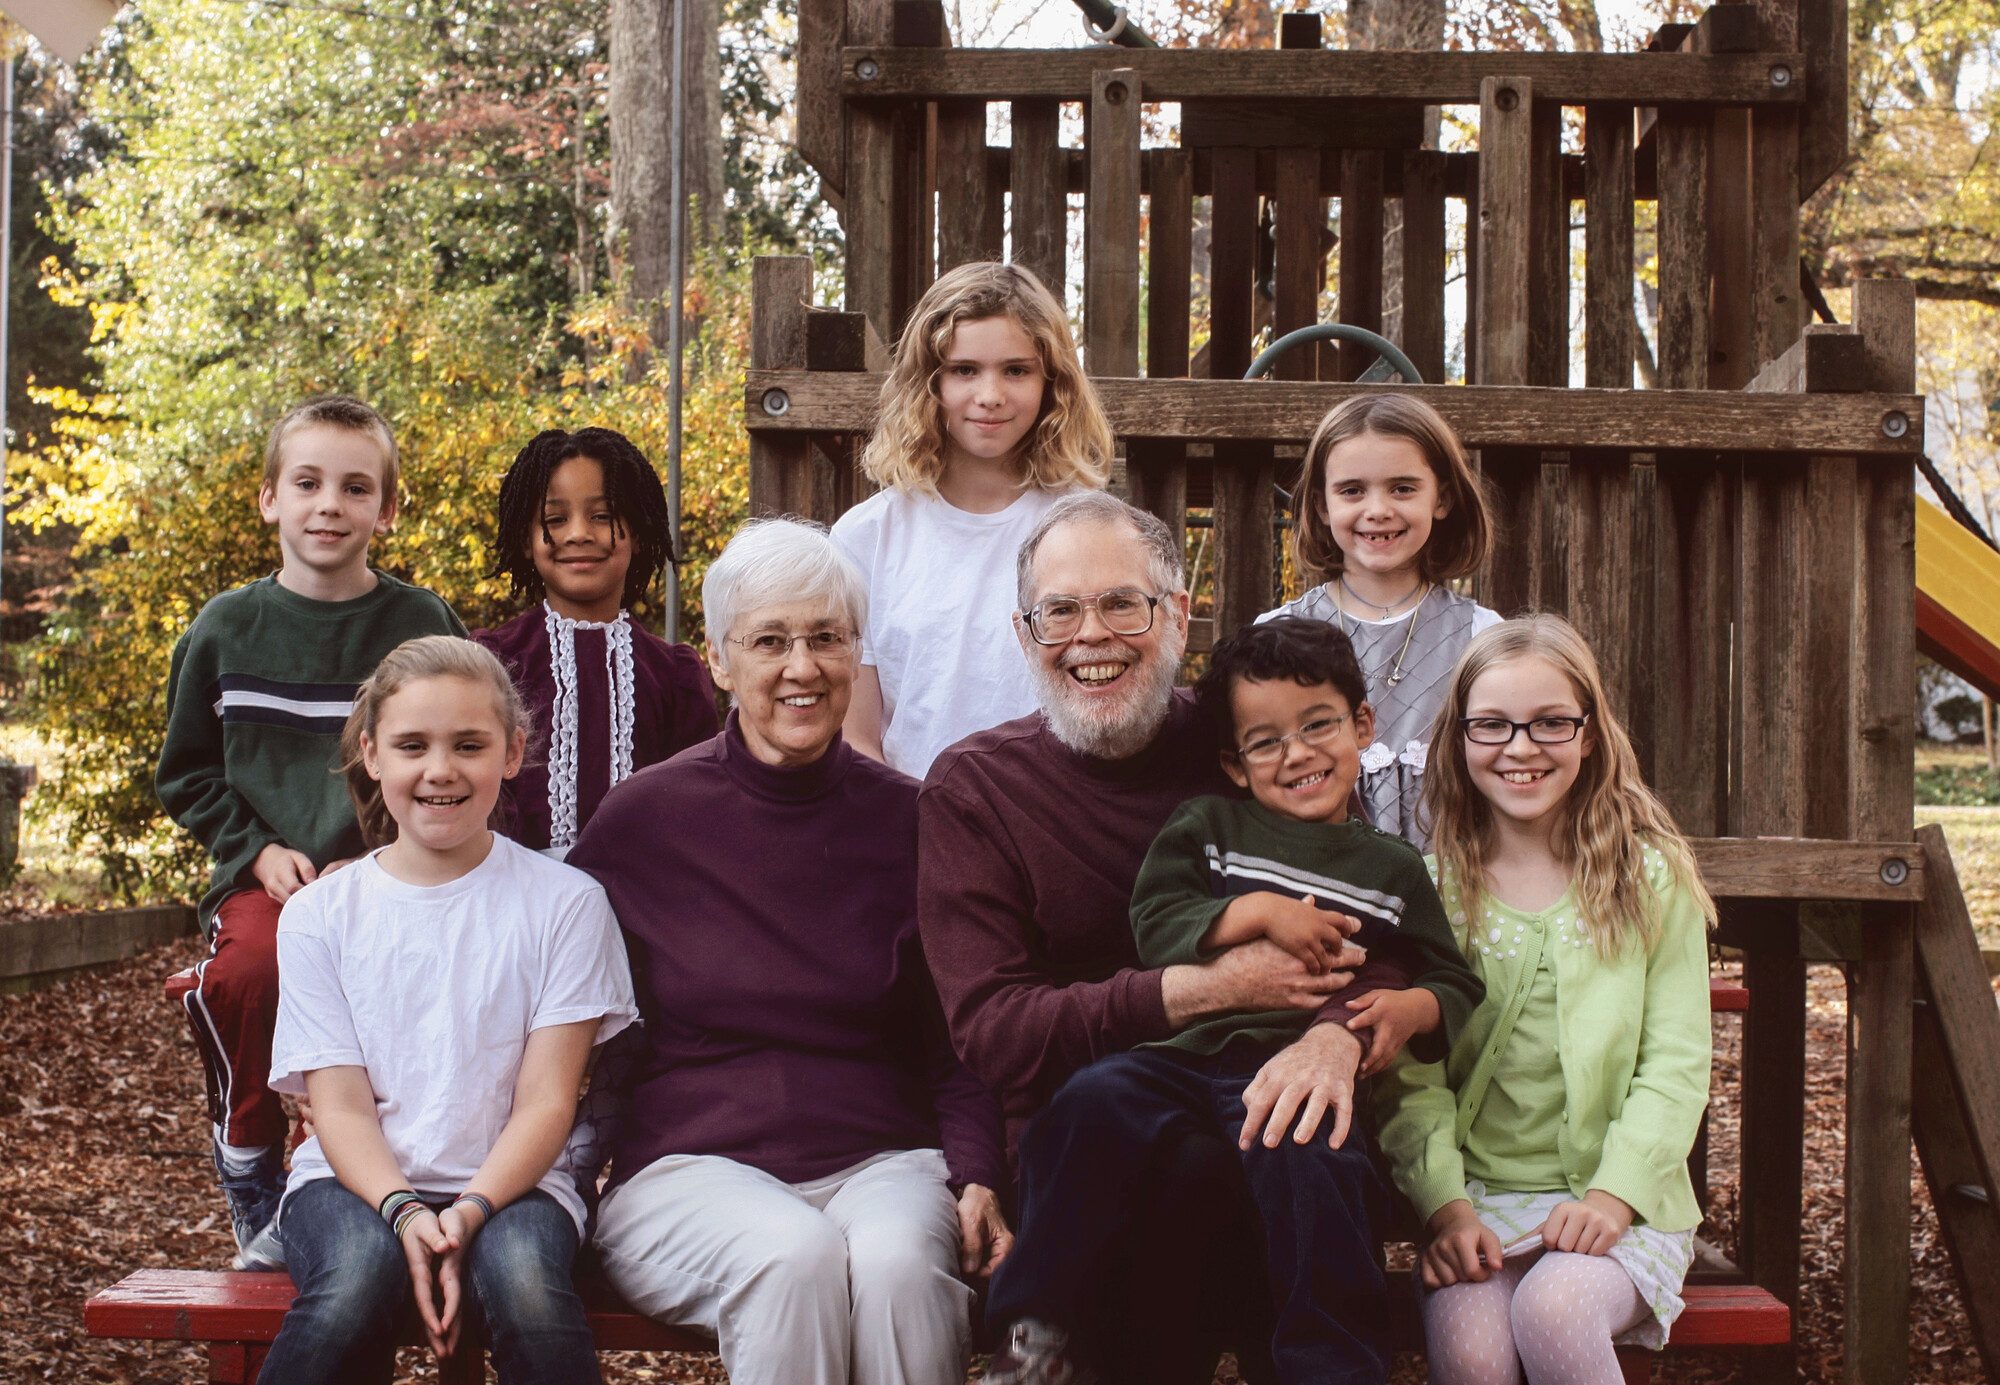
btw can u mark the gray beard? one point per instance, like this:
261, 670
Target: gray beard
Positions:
1119, 731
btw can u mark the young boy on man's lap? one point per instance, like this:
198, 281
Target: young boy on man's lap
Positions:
260, 688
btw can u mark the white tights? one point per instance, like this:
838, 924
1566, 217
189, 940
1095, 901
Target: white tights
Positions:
1552, 1315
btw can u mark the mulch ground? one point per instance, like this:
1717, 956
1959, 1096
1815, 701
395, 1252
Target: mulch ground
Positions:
104, 1169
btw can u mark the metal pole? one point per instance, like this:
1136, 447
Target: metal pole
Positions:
677, 253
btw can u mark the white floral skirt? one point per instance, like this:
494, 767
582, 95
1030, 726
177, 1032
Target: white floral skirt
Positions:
1657, 1261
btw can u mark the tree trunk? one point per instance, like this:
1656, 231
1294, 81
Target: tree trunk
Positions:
641, 103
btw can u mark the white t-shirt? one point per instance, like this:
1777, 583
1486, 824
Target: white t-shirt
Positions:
435, 989
941, 597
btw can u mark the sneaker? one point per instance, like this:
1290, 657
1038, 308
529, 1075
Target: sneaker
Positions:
1037, 1353
265, 1251
253, 1195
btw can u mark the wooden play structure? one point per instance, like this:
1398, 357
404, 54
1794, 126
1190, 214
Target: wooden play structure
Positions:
1737, 543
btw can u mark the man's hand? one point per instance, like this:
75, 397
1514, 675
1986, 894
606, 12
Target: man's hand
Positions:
431, 1251
1309, 1078
1394, 1016
282, 871
1589, 1227
984, 1239
1257, 975
1460, 1248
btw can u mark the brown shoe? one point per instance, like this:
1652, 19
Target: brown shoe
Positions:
1037, 1353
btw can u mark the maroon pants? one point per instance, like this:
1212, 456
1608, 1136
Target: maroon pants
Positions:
231, 1001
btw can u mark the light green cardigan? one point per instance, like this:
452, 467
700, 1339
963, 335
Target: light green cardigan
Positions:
1634, 1045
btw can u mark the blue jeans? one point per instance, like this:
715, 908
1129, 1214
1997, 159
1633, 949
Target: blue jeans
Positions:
355, 1298
1087, 1158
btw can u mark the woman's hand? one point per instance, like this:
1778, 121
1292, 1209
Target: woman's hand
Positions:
984, 1239
1461, 1249
1394, 1016
433, 1255
1589, 1227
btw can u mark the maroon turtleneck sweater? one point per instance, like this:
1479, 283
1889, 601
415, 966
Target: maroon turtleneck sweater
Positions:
673, 707
1029, 852
770, 914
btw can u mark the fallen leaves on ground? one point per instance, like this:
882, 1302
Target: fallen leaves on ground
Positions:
104, 1169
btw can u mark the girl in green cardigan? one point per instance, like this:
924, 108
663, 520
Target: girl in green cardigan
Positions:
1548, 1152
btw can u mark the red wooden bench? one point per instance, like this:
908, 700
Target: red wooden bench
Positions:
238, 1314
1726, 997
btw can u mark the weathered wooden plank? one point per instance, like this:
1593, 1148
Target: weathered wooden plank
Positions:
1035, 180
912, 252
1822, 64
1682, 140
1961, 999
1156, 476
1641, 647
1111, 226
1608, 325
1181, 74
1598, 567
843, 342
871, 219
1832, 549
1731, 246
1513, 478
1169, 261
780, 302
1232, 262
1746, 868
1726, 28
1692, 580
1360, 254
1772, 1181
994, 233
822, 138
962, 177
1243, 535
1548, 249
1885, 315
1830, 358
1548, 581
1473, 278
918, 24
1300, 268
1960, 1189
1771, 618
1779, 310
1423, 263
1288, 122
1506, 125
1281, 411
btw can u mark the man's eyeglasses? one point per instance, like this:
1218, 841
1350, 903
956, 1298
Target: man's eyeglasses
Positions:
1268, 750
1124, 611
828, 646
1542, 730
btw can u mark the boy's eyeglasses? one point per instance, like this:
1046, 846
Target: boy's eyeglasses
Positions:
1542, 730
825, 646
1124, 611
1270, 749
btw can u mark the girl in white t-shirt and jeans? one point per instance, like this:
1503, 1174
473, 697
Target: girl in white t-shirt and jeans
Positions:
439, 1000
986, 420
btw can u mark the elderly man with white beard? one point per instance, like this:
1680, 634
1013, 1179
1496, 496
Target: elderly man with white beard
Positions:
1030, 836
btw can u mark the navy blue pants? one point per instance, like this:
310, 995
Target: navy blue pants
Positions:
355, 1296
1089, 1185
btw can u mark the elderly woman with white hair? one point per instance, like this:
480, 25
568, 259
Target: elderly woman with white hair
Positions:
804, 1168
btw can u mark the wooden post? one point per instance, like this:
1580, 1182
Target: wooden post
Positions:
1232, 266
1111, 226
1423, 263
1681, 138
1035, 177
1242, 471
1169, 261
780, 298
1301, 257
1608, 326
1778, 307
1731, 252
822, 137
1823, 123
1690, 658
1360, 254
1548, 250
963, 215
870, 193
1600, 574
1879, 988
1506, 119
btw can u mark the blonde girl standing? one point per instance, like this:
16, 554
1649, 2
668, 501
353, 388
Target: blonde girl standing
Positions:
987, 420
1387, 511
1548, 1152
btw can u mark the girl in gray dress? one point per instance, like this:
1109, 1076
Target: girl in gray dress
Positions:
1387, 510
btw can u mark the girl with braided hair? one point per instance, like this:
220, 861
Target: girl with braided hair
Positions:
583, 532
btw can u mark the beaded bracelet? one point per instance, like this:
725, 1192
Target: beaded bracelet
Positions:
485, 1206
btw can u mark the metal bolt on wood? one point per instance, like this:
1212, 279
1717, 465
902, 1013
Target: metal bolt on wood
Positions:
1895, 871
868, 69
1781, 76
1895, 424
777, 403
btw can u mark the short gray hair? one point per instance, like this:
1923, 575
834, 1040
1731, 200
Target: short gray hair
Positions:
1164, 562
773, 561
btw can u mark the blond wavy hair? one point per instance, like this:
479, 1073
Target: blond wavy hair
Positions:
1611, 817
1070, 444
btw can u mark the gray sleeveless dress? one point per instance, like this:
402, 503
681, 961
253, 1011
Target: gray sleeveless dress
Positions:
1392, 766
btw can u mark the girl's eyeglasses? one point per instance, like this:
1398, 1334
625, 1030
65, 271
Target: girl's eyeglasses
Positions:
1542, 730
1270, 749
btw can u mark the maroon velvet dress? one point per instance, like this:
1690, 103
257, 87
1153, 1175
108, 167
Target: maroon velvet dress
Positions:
672, 707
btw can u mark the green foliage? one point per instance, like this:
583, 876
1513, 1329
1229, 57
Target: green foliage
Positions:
1958, 786
311, 201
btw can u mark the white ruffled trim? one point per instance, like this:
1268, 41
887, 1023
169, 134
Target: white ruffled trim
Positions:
618, 669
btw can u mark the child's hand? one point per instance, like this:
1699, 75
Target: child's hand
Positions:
1394, 1016
431, 1252
1461, 1249
1316, 936
282, 871
1589, 1227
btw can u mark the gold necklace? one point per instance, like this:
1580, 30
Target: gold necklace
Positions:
1416, 613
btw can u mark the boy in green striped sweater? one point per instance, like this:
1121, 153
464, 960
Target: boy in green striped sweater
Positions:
260, 688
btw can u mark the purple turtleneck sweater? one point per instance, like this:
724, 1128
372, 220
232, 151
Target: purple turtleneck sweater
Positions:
771, 919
